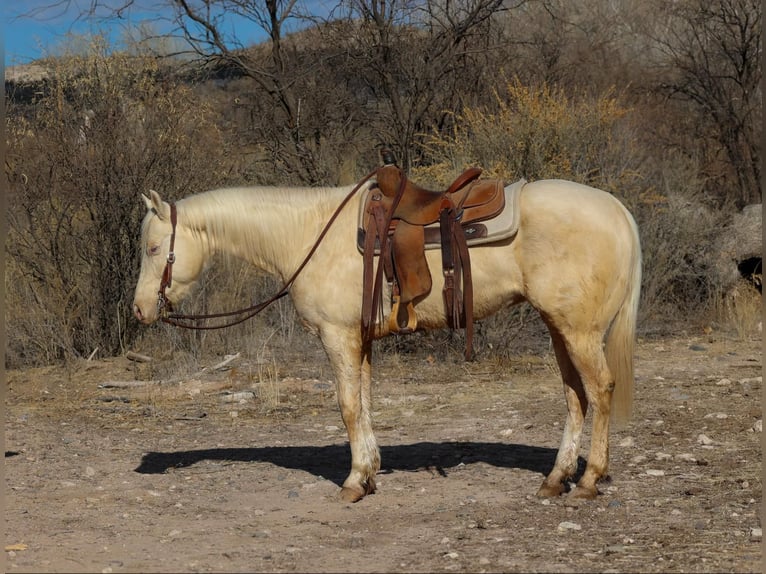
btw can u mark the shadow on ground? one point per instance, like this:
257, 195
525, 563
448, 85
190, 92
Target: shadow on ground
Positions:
333, 461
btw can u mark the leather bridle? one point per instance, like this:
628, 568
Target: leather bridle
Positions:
163, 305
191, 321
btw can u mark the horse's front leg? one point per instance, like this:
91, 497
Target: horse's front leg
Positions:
350, 360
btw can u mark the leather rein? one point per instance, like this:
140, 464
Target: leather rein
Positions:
191, 321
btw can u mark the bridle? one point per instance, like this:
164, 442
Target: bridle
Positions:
164, 306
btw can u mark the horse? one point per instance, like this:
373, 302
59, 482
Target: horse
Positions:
576, 258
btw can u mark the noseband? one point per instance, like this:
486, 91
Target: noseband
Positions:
163, 305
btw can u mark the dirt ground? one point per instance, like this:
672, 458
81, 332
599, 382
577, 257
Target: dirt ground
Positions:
236, 469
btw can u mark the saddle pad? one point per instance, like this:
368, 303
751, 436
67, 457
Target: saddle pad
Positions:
504, 226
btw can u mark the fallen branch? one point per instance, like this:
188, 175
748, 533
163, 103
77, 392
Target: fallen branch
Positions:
126, 384
131, 356
228, 359
175, 381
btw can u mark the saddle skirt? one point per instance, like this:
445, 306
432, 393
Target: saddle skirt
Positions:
503, 226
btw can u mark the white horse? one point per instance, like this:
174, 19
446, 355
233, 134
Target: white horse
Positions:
576, 259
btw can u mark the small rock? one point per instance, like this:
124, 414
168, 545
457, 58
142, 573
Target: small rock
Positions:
627, 442
452, 555
332, 428
566, 525
356, 542
655, 472
704, 439
686, 457
756, 533
697, 348
238, 397
90, 471
723, 382
506, 432
758, 426
662, 456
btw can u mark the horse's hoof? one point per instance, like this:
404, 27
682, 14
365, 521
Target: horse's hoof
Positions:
349, 494
356, 493
551, 491
583, 493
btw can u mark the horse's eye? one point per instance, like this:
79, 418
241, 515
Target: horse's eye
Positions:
154, 249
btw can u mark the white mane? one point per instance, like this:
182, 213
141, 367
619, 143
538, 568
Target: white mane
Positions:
270, 221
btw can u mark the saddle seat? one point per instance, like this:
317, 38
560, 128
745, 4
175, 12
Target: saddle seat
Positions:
478, 200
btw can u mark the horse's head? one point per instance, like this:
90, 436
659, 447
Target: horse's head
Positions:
165, 274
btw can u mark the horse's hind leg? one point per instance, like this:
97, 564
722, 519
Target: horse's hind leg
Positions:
577, 406
587, 355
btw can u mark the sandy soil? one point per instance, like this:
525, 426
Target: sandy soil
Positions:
189, 476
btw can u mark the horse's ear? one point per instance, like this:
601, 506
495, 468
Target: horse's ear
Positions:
155, 203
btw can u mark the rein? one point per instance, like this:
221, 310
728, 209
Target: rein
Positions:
189, 321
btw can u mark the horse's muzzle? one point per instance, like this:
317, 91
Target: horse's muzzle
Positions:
139, 314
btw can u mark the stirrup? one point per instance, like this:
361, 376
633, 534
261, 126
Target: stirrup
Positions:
393, 320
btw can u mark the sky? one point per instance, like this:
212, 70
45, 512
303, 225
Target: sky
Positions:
36, 28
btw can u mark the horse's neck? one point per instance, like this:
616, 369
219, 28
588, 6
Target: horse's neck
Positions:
270, 228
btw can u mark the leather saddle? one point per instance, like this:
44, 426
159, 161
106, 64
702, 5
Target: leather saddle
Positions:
398, 215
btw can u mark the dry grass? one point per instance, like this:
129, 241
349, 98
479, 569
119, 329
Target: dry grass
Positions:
741, 310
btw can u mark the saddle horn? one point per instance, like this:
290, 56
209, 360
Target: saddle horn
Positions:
387, 156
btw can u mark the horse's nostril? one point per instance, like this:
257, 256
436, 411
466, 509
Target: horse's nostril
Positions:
137, 312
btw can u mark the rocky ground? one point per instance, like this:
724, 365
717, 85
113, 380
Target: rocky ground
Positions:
236, 468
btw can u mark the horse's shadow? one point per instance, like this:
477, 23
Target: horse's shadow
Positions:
332, 461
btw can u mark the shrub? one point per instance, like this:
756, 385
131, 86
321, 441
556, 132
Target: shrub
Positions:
532, 132
540, 132
102, 130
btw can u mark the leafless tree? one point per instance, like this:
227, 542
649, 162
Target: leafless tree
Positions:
279, 74
417, 58
710, 53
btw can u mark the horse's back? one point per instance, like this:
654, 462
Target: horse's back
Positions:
577, 201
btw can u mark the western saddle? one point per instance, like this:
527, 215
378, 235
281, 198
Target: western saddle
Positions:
397, 215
